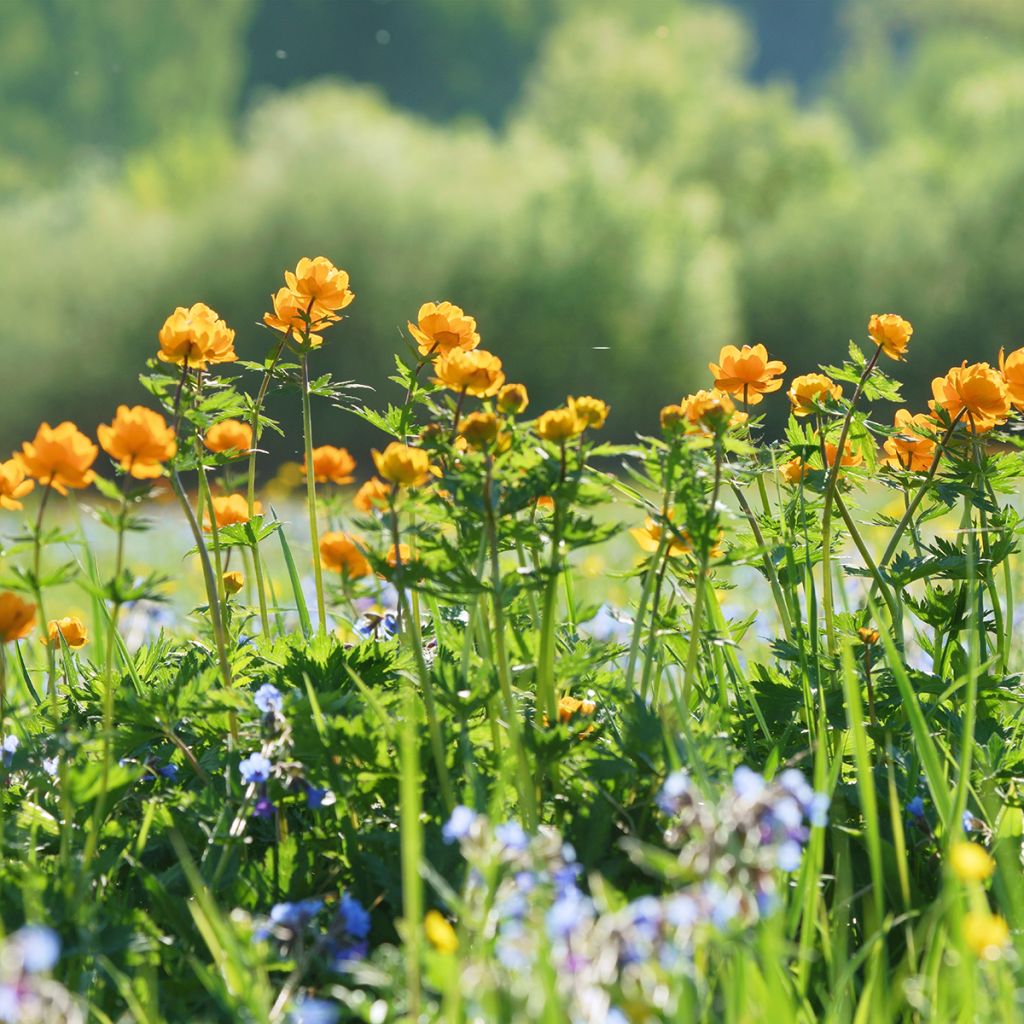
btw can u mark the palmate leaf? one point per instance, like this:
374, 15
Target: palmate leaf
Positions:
390, 422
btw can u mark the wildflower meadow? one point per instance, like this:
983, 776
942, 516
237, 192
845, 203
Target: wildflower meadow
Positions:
501, 721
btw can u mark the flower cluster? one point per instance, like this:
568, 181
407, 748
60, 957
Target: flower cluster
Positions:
308, 928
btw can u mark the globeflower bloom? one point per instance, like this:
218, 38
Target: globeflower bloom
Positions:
233, 581
811, 389
341, 553
977, 392
649, 538
559, 425
331, 465
985, 934
747, 372
891, 333
229, 436
849, 456
1012, 368
441, 328
299, 318
709, 409
71, 628
60, 457
13, 484
196, 337
229, 509
319, 281
439, 932
480, 429
402, 465
912, 448
970, 862
794, 471
476, 373
139, 440
404, 554
591, 412
513, 398
373, 494
17, 617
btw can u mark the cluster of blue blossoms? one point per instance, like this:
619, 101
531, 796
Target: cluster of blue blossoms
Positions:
27, 994
303, 927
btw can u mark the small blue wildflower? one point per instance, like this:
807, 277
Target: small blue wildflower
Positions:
676, 786
50, 766
268, 699
169, 771
793, 782
313, 1011
10, 748
458, 825
295, 915
789, 855
567, 913
263, 808
747, 784
255, 768
725, 905
787, 812
525, 881
10, 1003
915, 808
39, 947
317, 797
354, 916
512, 836
817, 810
970, 822
682, 911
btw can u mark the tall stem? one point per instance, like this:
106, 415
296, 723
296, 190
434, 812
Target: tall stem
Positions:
37, 586
314, 533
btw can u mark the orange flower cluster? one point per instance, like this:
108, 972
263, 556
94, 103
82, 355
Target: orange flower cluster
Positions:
441, 328
229, 436
747, 373
331, 465
975, 393
474, 372
196, 337
229, 509
60, 457
139, 440
309, 301
342, 553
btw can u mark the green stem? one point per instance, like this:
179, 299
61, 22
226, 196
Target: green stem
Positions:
307, 430
37, 587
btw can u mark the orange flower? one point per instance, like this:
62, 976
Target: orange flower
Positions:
513, 398
891, 333
480, 429
404, 553
985, 934
707, 409
747, 372
976, 391
295, 314
569, 706
373, 494
320, 281
441, 328
341, 553
71, 628
233, 581
794, 471
229, 436
849, 457
139, 440
868, 636
229, 509
331, 465
545, 503
197, 336
913, 446
17, 617
476, 373
13, 484
649, 538
673, 418
809, 390
559, 425
591, 412
60, 456
1012, 368
402, 465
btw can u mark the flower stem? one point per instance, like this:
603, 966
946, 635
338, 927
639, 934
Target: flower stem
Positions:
37, 586
307, 430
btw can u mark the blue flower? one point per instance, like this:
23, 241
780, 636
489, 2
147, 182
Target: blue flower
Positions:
793, 782
50, 766
295, 915
567, 913
263, 808
354, 917
817, 810
39, 947
313, 1011
746, 783
512, 836
169, 771
458, 825
676, 786
255, 768
268, 699
915, 808
788, 855
10, 748
317, 797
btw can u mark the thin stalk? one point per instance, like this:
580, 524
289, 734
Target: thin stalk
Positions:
891, 601
546, 699
307, 430
645, 677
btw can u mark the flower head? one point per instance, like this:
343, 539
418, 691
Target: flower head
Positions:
197, 337
794, 471
298, 317
809, 390
441, 328
254, 768
139, 440
341, 553
268, 699
868, 636
233, 581
591, 412
319, 281
570, 706
71, 628
985, 934
60, 456
513, 398
708, 410
480, 429
476, 373
848, 458
229, 436
403, 465
976, 392
403, 554
970, 862
229, 509
559, 425
891, 333
747, 372
439, 932
17, 617
649, 538
13, 484
332, 465
912, 447
673, 419
459, 824
372, 494
1012, 368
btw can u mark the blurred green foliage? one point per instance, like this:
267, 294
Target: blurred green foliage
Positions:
603, 185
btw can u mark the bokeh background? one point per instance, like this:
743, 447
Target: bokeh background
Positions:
614, 188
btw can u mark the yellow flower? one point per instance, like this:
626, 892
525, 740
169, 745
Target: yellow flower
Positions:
442, 328
197, 336
569, 706
404, 555
591, 412
970, 862
985, 934
476, 373
331, 465
13, 484
811, 389
295, 314
60, 456
229, 436
849, 457
319, 281
480, 429
545, 503
747, 372
673, 418
891, 333
71, 628
913, 447
513, 398
794, 471
402, 465
373, 494
710, 408
559, 425
440, 934
17, 617
139, 440
977, 391
340, 552
868, 636
233, 581
649, 538
229, 509
1012, 368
